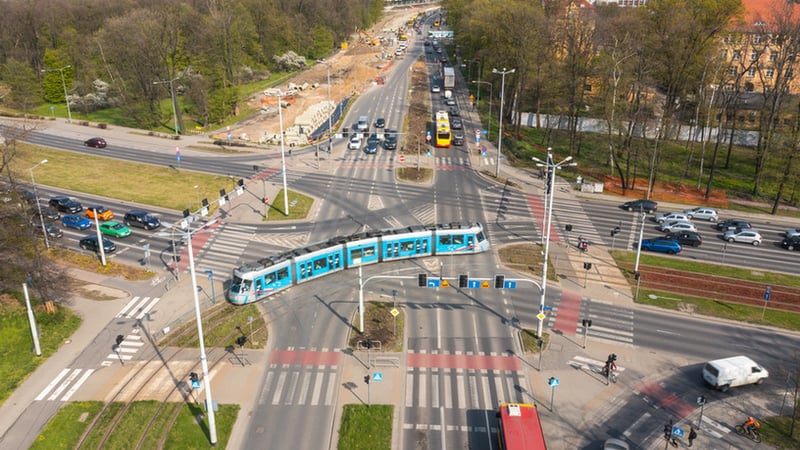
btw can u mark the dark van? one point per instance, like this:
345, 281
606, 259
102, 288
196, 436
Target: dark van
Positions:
141, 219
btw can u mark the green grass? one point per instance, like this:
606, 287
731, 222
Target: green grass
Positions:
530, 342
164, 187
775, 432
299, 206
66, 427
222, 334
366, 427
102, 425
16, 344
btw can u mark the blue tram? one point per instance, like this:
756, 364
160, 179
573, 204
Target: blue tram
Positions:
253, 282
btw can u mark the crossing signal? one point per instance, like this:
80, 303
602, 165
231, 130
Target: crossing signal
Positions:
499, 281
463, 281
193, 377
120, 338
366, 379
422, 280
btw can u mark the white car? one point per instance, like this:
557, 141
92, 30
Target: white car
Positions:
355, 142
435, 88
792, 232
746, 236
677, 225
661, 218
702, 212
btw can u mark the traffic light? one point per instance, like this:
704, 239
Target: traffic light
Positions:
241, 340
120, 338
499, 281
366, 379
587, 322
240, 183
463, 281
422, 280
568, 227
587, 266
193, 377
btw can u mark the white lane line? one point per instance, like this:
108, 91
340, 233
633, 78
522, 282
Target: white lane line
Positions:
52, 384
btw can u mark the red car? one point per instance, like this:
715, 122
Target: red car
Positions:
96, 142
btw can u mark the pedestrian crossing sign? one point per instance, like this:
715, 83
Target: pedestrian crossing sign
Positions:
196, 384
377, 376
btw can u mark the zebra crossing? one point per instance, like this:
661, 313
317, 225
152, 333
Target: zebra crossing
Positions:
570, 211
126, 349
513, 218
223, 250
299, 385
67, 378
460, 388
137, 308
609, 322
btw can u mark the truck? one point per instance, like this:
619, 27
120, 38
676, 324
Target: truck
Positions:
449, 78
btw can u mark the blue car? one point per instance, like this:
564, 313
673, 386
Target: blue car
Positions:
670, 246
77, 222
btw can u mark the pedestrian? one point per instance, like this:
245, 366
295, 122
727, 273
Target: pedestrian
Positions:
692, 435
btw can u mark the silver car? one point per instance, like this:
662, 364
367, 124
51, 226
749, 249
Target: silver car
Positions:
703, 213
661, 218
792, 232
746, 236
676, 225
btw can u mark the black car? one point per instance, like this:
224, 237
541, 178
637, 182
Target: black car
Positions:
28, 196
792, 243
454, 111
647, 206
141, 219
733, 224
390, 140
458, 138
65, 204
380, 122
689, 238
372, 144
96, 142
456, 123
90, 243
53, 231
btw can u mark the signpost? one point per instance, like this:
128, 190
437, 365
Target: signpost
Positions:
553, 383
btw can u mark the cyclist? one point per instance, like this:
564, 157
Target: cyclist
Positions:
751, 425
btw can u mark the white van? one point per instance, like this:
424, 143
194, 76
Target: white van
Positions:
734, 371
363, 124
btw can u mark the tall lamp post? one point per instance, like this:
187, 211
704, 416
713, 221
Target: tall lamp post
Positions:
64, 85
502, 100
551, 168
39, 205
469, 72
172, 96
653, 166
489, 126
283, 157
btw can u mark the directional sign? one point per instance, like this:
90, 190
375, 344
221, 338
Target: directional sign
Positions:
509, 284
474, 284
377, 376
548, 308
433, 282
677, 431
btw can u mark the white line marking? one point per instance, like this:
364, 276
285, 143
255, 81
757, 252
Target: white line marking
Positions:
51, 385
77, 385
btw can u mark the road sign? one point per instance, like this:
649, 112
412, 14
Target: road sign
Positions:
474, 284
428, 138
178, 154
540, 316
377, 376
553, 382
510, 284
701, 400
402, 158
433, 282
767, 292
196, 384
478, 133
394, 312
677, 431
548, 308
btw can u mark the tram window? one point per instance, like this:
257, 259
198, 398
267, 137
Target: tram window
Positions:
236, 284
302, 270
336, 260
469, 241
283, 274
269, 278
425, 246
356, 254
458, 239
416, 247
444, 240
369, 251
246, 285
396, 249
481, 238
259, 287
408, 246
320, 264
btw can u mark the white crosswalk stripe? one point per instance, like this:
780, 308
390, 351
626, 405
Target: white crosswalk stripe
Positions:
69, 380
284, 240
223, 250
463, 389
299, 385
425, 213
130, 345
137, 308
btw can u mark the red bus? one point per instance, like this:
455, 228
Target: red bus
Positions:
519, 427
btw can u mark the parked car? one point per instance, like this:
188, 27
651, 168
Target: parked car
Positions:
661, 218
792, 232
647, 206
53, 231
676, 225
96, 142
380, 122
101, 212
684, 238
703, 213
746, 236
65, 204
662, 245
733, 224
77, 222
456, 124
355, 142
90, 243
791, 243
116, 229
372, 145
141, 219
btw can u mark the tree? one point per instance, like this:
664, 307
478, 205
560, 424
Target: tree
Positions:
25, 91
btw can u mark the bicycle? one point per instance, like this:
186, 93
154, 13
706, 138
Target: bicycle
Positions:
753, 434
610, 376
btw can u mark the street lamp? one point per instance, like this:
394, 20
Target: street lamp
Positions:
652, 166
64, 85
502, 100
469, 70
197, 191
283, 158
38, 205
551, 167
488, 127
172, 95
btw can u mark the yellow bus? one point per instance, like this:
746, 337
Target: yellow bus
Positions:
443, 135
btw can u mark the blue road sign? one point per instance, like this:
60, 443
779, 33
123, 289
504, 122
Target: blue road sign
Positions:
767, 291
509, 284
196, 384
474, 284
548, 308
677, 431
377, 376
553, 382
433, 282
